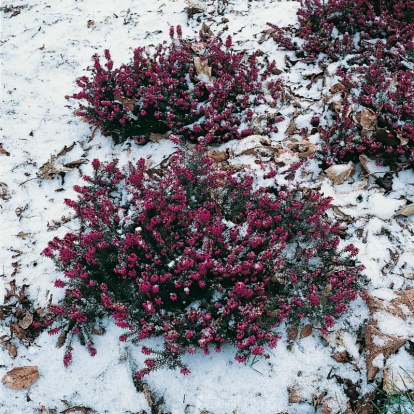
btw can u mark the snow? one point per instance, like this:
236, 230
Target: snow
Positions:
44, 49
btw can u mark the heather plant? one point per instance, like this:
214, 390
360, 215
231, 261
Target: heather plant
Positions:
389, 96
199, 256
339, 28
195, 89
374, 43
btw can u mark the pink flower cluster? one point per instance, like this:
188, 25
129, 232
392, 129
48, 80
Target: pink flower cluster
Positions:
200, 257
376, 38
170, 88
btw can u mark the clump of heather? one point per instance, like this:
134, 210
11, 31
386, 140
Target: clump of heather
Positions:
375, 42
194, 89
389, 97
339, 28
200, 257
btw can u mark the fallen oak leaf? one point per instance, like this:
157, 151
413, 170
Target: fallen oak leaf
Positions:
17, 331
385, 182
339, 173
76, 163
48, 169
11, 349
367, 119
23, 235
406, 211
203, 71
4, 193
317, 399
218, 156
363, 159
21, 377
127, 102
294, 396
304, 148
306, 331
404, 300
65, 150
76, 410
292, 333
156, 137
391, 378
391, 344
206, 30
26, 321
340, 356
3, 151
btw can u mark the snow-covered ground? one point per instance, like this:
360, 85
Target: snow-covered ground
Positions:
45, 46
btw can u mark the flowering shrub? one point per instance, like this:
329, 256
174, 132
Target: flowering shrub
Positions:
192, 88
389, 97
375, 41
199, 256
338, 28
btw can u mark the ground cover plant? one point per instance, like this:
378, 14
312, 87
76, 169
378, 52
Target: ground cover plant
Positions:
114, 265
200, 257
193, 88
374, 40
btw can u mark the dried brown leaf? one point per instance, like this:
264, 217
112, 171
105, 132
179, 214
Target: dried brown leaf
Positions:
406, 211
250, 142
127, 102
292, 129
338, 87
198, 47
48, 169
16, 331
4, 193
326, 406
156, 137
367, 119
341, 356
404, 300
3, 151
11, 349
317, 399
23, 235
26, 321
74, 164
363, 159
292, 333
76, 410
390, 386
391, 345
21, 377
206, 30
304, 148
147, 395
218, 156
294, 396
203, 71
306, 331
339, 173
65, 150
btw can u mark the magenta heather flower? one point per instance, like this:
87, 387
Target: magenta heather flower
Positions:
376, 40
199, 257
162, 91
